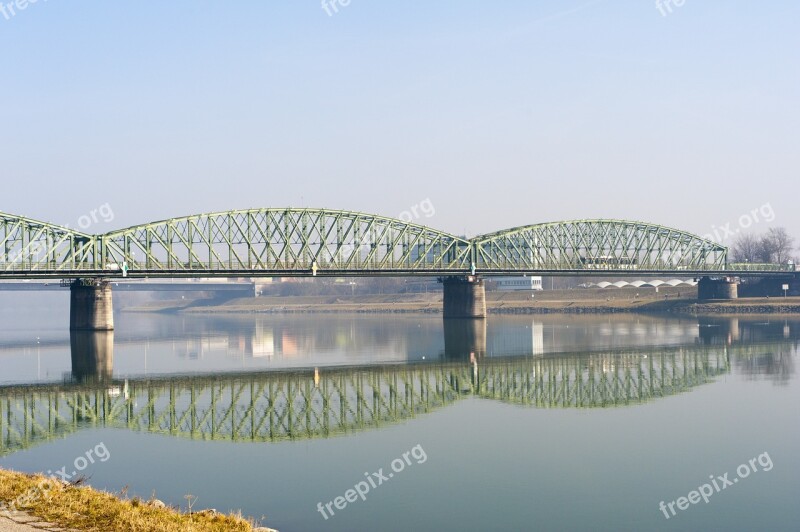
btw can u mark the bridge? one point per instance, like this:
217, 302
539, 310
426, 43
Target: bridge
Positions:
311, 242
297, 405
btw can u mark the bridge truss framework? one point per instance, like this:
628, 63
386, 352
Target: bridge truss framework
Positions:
303, 242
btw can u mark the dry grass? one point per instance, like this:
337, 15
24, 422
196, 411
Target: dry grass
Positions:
84, 508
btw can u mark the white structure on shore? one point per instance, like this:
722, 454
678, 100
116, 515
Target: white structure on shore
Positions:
533, 282
638, 284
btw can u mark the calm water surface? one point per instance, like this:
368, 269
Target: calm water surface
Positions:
518, 423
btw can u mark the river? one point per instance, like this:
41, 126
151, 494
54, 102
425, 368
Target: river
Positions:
409, 422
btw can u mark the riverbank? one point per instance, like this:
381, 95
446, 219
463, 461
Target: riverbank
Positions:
766, 305
599, 301
49, 504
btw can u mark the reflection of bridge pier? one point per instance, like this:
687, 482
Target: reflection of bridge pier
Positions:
464, 337
92, 356
718, 331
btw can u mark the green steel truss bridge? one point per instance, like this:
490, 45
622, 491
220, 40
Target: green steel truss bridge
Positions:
280, 406
303, 242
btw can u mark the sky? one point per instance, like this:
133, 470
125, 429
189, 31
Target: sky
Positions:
489, 114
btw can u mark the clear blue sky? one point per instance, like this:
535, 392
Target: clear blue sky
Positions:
500, 113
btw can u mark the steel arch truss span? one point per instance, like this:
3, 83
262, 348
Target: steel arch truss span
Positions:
592, 245
285, 242
32, 246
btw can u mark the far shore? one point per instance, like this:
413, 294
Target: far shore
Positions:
599, 301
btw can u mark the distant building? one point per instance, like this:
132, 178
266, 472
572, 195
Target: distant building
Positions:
533, 282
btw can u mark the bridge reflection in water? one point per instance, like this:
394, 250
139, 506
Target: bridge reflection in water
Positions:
320, 403
92, 355
464, 338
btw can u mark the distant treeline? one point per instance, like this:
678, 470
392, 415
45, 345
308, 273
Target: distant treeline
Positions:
775, 246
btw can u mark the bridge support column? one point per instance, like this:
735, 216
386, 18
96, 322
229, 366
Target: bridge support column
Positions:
91, 307
464, 297
725, 288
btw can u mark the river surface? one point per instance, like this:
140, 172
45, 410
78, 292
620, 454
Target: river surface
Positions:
409, 422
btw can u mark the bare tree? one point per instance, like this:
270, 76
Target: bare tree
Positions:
747, 248
779, 245
765, 250
775, 247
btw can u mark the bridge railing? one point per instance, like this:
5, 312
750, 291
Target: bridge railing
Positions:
568, 264
44, 266
282, 266
113, 268
761, 267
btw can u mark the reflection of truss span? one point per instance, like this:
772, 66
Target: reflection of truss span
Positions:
284, 242
293, 406
604, 381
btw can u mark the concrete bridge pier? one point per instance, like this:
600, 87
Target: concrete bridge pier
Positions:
464, 297
91, 307
724, 288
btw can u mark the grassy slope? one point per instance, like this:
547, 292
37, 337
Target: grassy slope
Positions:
84, 508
